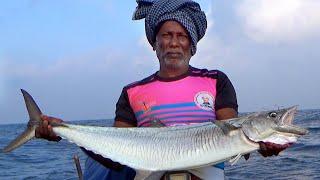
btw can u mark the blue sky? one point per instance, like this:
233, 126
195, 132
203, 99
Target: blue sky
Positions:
74, 57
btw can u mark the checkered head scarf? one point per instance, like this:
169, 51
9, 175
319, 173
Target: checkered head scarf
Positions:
187, 12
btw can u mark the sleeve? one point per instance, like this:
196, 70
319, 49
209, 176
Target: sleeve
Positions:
124, 111
226, 95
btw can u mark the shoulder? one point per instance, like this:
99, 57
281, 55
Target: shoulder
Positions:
215, 74
144, 81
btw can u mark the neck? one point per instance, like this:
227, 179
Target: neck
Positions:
171, 73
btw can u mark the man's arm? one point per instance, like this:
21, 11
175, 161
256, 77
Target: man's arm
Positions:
226, 113
121, 123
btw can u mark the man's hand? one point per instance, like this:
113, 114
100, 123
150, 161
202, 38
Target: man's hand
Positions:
270, 149
45, 129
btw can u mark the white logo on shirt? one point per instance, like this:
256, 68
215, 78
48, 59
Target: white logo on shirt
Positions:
204, 100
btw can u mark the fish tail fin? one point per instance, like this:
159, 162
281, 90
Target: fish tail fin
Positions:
21, 139
34, 120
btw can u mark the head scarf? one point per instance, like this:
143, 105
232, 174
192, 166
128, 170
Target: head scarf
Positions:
187, 12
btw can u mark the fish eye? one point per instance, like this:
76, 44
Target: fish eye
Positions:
273, 114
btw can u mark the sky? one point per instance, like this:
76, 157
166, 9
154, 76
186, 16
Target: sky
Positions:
74, 57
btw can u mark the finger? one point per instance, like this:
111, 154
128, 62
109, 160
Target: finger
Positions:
263, 153
51, 133
279, 148
37, 133
263, 146
276, 153
265, 150
53, 119
43, 117
45, 128
270, 152
262, 149
273, 149
40, 129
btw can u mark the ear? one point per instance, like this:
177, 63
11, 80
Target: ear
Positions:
154, 46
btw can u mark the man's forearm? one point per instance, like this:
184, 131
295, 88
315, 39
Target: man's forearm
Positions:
226, 113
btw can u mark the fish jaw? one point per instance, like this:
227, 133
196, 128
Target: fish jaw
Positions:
288, 116
273, 127
280, 138
286, 132
285, 124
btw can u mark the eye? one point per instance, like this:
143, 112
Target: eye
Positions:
182, 36
273, 114
166, 35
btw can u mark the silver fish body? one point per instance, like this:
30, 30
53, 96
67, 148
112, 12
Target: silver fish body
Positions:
173, 148
160, 149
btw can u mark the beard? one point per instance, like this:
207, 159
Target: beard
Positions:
174, 61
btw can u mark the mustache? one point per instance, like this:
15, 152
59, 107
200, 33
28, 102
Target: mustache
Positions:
173, 53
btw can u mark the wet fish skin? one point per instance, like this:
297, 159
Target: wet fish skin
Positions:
173, 148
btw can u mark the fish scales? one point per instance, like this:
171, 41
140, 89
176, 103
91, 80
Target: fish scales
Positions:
173, 148
178, 147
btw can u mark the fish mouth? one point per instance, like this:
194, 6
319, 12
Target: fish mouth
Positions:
286, 126
288, 116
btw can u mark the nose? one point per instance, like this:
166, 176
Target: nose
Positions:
174, 41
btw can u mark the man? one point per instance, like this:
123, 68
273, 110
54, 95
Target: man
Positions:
177, 94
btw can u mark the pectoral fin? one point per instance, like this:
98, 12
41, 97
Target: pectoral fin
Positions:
235, 159
225, 127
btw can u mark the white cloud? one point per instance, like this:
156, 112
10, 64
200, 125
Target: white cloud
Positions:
212, 51
144, 58
209, 14
143, 42
280, 21
99, 60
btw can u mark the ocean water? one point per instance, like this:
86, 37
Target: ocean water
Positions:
40, 159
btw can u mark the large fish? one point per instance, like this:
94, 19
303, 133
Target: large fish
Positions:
173, 148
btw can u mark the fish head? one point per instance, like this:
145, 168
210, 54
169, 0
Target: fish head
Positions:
273, 126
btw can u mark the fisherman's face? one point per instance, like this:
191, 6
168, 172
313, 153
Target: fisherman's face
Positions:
173, 46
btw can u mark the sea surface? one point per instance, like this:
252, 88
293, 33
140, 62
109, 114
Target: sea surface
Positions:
40, 159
